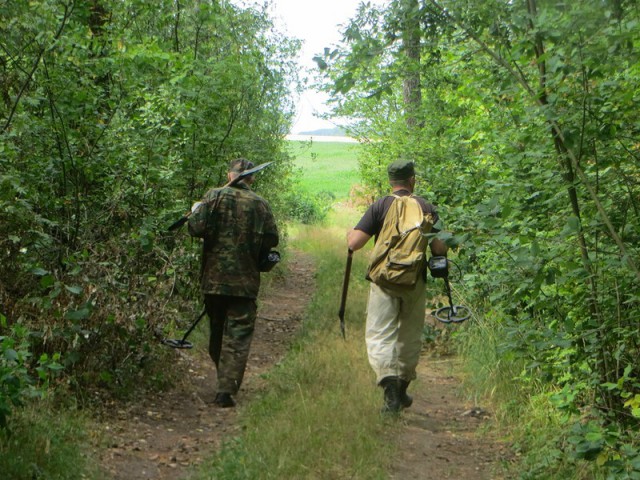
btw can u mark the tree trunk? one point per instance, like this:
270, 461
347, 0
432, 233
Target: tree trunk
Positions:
411, 35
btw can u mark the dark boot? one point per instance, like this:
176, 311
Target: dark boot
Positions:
224, 400
392, 403
405, 400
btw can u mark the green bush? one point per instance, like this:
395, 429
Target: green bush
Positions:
14, 379
17, 382
309, 209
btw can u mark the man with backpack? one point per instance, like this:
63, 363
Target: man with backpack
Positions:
239, 230
397, 270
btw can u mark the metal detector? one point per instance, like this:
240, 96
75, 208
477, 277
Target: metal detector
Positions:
439, 267
175, 343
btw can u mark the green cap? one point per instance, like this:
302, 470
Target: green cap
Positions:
401, 170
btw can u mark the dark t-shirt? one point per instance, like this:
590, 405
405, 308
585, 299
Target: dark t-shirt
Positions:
373, 219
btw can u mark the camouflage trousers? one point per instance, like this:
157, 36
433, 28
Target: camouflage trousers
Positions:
232, 322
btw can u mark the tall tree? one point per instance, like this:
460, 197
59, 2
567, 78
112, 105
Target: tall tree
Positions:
411, 35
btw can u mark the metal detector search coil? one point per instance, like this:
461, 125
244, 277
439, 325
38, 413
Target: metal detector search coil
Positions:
453, 314
175, 343
183, 343
439, 267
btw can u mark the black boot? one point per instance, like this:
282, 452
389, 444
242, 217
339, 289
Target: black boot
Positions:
392, 402
224, 400
405, 400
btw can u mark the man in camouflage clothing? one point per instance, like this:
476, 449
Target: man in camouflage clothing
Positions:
238, 229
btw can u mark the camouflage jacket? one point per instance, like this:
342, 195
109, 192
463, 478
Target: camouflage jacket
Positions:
237, 227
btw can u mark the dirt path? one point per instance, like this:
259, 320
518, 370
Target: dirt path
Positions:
443, 434
162, 437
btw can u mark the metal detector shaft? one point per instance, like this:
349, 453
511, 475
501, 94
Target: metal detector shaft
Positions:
204, 311
448, 287
174, 343
452, 313
345, 289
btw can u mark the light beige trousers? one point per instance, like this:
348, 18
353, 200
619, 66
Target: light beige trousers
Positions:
395, 321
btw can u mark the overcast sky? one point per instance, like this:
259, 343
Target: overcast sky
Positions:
316, 22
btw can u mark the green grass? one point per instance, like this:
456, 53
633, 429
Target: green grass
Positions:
43, 443
326, 167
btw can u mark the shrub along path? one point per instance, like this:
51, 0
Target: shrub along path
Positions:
162, 437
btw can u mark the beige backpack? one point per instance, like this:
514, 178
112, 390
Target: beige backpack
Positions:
399, 255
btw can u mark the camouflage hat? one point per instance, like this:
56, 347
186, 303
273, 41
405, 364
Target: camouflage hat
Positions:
401, 170
239, 165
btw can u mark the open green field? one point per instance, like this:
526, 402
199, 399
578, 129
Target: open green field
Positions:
326, 166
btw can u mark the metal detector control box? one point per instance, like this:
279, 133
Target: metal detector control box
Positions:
439, 267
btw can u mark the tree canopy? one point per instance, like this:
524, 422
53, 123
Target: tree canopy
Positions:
521, 117
115, 116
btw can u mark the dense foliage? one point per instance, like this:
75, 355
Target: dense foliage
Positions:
116, 115
522, 117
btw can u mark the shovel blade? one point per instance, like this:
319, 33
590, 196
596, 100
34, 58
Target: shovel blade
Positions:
253, 170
